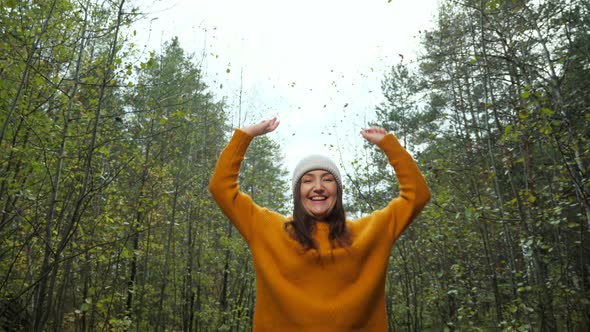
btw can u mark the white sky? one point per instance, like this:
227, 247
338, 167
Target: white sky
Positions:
302, 61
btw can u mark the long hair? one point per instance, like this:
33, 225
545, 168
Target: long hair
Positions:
302, 226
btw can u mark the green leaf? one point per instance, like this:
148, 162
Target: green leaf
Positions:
531, 199
547, 111
523, 114
507, 131
85, 307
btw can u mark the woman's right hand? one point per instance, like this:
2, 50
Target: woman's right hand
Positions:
261, 128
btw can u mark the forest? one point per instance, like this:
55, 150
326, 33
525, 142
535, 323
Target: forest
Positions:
106, 223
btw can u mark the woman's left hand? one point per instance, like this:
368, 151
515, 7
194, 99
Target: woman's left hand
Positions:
374, 134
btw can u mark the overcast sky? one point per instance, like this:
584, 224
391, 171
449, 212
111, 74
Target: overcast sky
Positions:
316, 64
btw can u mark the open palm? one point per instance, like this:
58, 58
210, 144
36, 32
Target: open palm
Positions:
261, 128
374, 134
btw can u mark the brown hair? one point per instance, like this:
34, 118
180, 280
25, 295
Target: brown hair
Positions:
302, 226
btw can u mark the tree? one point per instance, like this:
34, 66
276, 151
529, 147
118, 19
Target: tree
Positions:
499, 151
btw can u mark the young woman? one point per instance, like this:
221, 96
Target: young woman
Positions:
317, 271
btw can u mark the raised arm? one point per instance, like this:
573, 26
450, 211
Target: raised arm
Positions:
236, 205
414, 192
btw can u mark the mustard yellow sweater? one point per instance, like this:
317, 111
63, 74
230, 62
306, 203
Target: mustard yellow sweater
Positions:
343, 289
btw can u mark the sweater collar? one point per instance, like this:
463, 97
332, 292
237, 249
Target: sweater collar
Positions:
323, 227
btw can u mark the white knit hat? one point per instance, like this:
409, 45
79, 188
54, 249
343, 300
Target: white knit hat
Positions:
315, 162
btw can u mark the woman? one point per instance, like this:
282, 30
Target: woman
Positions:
317, 271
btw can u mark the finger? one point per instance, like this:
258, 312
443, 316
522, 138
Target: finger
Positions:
378, 130
366, 135
276, 124
272, 125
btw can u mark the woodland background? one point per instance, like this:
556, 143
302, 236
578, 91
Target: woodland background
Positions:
106, 222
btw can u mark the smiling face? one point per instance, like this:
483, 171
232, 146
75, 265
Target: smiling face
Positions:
318, 193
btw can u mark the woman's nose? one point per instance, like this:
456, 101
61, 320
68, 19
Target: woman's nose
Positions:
317, 186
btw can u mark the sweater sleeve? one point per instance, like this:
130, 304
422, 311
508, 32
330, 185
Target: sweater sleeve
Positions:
236, 205
414, 192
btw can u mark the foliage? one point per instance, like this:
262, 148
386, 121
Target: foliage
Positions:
105, 157
503, 143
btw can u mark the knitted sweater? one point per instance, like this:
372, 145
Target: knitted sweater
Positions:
340, 289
